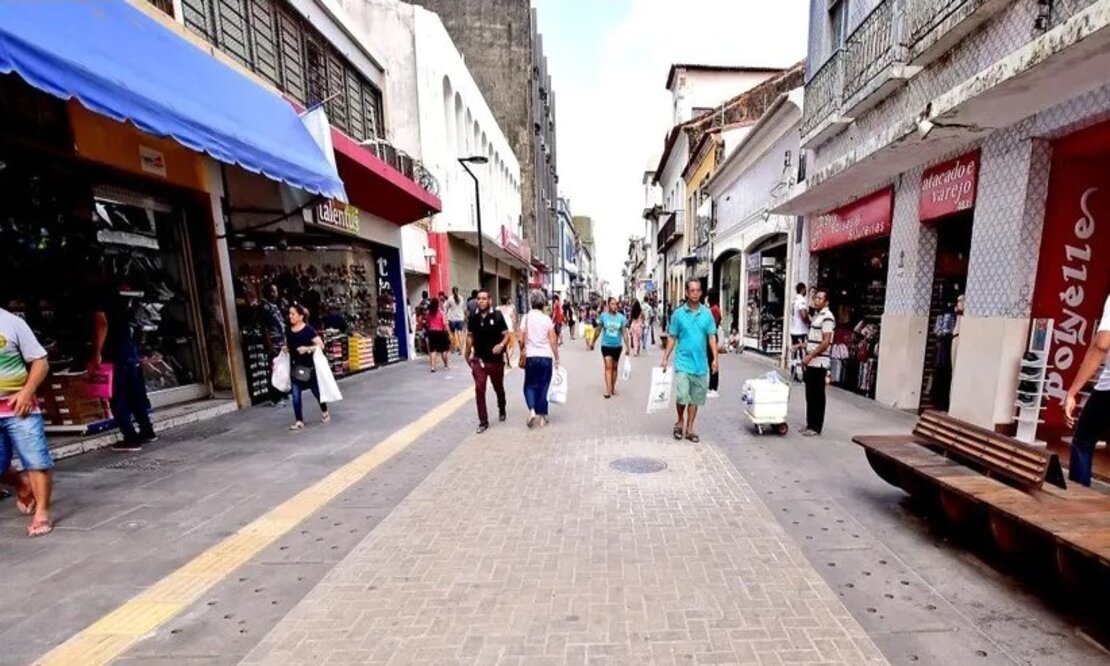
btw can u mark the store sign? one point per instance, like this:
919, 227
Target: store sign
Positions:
152, 161
514, 245
1073, 274
337, 215
383, 276
863, 219
949, 187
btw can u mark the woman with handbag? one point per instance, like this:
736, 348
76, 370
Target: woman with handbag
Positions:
302, 342
539, 357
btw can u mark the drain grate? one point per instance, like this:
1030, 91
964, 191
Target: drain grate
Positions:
638, 465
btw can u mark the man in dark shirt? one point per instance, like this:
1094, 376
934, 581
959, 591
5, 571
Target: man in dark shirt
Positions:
114, 343
486, 339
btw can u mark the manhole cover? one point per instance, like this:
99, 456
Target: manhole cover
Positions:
638, 465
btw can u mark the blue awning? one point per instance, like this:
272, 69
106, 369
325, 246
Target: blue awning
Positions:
121, 63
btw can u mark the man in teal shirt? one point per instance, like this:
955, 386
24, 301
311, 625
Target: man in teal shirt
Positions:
691, 326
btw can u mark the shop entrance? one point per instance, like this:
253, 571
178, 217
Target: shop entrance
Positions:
855, 276
946, 309
764, 300
728, 278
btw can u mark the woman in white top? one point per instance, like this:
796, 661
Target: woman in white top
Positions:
508, 312
539, 356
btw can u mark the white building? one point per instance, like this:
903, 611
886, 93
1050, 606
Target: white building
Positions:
753, 248
440, 115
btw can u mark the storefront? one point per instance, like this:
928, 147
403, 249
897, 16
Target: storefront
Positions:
852, 248
1073, 273
765, 295
340, 262
947, 205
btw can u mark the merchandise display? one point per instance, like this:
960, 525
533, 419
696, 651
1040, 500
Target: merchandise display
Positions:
70, 246
765, 311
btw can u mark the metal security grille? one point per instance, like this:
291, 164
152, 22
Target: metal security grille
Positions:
275, 43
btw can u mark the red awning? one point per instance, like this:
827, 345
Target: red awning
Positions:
378, 188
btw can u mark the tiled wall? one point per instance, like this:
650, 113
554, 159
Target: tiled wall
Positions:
913, 250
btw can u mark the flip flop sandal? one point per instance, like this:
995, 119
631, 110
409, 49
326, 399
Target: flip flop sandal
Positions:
39, 528
326, 417
25, 503
677, 432
693, 438
297, 426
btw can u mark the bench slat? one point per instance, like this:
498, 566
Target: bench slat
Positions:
950, 431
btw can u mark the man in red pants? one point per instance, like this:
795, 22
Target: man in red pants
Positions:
486, 339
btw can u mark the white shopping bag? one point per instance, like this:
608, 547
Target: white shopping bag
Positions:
280, 375
580, 329
557, 393
626, 369
659, 398
329, 390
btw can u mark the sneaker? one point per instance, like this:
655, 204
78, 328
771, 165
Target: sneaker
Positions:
809, 433
1028, 387
127, 446
501, 416
712, 394
149, 437
482, 427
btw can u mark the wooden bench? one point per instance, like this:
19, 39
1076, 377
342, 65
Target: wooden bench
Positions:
975, 475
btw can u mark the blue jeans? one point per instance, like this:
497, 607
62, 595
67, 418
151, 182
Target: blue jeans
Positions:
25, 437
1094, 424
130, 404
537, 379
298, 403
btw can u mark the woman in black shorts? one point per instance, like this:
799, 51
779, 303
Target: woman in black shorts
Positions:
614, 339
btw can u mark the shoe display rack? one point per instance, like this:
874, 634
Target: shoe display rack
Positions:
336, 349
387, 350
360, 351
1031, 382
258, 364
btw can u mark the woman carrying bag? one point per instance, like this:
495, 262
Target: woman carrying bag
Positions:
539, 356
308, 368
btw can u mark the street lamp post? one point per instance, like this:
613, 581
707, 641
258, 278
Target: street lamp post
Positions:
477, 159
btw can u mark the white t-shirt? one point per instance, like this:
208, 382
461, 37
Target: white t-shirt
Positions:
798, 325
1104, 326
536, 326
509, 313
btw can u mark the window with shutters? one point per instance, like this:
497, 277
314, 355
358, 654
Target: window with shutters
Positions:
271, 40
165, 6
337, 92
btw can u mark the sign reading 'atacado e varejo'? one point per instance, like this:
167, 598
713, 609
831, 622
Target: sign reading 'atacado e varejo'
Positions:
949, 187
337, 215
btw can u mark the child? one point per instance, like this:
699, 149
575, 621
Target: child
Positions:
734, 346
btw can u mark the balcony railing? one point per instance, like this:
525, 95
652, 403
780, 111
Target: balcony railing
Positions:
870, 49
922, 16
1062, 10
823, 93
409, 166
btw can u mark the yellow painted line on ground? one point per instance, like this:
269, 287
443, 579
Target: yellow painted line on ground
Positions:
118, 631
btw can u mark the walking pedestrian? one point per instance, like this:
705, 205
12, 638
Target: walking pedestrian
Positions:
508, 313
714, 374
472, 302
636, 328
570, 310
816, 362
590, 328
114, 343
486, 339
301, 343
439, 337
456, 319
614, 339
1094, 420
539, 356
690, 327
648, 335
558, 316
23, 367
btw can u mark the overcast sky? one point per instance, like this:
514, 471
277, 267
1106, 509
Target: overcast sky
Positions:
609, 59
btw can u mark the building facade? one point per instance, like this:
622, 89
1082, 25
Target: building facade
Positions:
442, 118
503, 49
955, 157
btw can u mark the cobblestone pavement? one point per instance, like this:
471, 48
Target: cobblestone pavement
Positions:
529, 547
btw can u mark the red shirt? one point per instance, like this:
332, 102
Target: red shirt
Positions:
558, 312
436, 322
716, 310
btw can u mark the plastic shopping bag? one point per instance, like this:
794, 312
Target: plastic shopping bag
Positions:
626, 369
659, 397
280, 375
329, 390
557, 393
98, 382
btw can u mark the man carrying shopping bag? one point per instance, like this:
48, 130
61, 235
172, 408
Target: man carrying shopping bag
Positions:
690, 327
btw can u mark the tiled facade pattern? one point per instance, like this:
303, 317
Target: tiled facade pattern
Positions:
528, 547
913, 248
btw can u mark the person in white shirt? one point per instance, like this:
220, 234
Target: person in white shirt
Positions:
799, 315
1094, 421
816, 362
539, 356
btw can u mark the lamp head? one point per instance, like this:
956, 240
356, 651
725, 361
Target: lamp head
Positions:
475, 159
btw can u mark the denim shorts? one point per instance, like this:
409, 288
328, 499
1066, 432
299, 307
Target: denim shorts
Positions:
25, 437
456, 326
